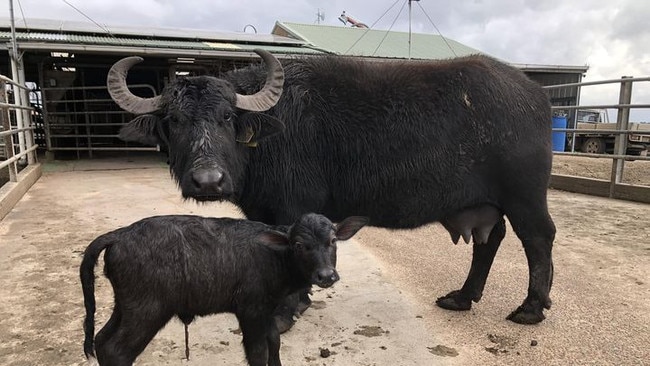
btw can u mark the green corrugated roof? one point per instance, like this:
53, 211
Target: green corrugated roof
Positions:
61, 40
375, 42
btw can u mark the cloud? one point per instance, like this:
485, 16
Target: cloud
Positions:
612, 37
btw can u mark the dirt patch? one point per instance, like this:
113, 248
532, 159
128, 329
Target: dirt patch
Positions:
370, 331
381, 312
501, 344
634, 172
41, 312
444, 351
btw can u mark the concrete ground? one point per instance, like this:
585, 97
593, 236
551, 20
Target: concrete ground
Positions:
380, 313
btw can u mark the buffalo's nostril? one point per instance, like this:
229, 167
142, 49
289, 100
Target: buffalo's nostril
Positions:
327, 276
208, 181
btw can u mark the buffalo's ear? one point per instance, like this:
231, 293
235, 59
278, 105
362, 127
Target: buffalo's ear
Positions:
274, 239
143, 129
253, 127
348, 227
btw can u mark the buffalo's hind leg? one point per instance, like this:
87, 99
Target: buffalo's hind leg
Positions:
482, 258
536, 231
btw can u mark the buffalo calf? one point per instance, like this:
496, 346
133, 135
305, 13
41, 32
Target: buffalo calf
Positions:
188, 266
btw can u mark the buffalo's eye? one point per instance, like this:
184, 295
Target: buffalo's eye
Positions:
333, 242
303, 247
227, 116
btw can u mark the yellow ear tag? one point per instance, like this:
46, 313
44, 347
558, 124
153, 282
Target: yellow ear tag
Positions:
247, 139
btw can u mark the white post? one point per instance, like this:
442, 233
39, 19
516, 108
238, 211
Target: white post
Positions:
27, 114
13, 54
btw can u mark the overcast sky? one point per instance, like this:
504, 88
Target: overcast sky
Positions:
611, 37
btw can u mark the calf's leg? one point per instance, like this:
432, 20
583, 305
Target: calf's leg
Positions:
108, 330
130, 337
254, 329
273, 342
482, 259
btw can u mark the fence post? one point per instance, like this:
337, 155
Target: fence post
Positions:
18, 100
6, 126
27, 116
620, 142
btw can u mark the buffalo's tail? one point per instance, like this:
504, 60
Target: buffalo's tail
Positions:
87, 274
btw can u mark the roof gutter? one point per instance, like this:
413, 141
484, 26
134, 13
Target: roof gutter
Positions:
155, 51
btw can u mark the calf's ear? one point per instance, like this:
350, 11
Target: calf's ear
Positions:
274, 239
348, 227
143, 129
253, 127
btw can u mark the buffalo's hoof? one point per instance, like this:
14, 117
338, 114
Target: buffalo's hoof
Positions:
303, 305
284, 322
527, 314
454, 301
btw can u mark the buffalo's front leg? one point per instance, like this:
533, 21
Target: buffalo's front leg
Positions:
482, 258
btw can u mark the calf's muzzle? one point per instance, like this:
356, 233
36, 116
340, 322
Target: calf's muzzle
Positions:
326, 277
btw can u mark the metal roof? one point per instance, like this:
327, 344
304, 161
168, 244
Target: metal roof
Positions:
61, 36
374, 42
52, 26
390, 44
571, 69
286, 39
80, 42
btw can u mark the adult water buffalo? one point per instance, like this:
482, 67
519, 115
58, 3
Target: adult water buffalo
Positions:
464, 142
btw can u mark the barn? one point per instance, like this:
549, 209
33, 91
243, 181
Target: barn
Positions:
64, 64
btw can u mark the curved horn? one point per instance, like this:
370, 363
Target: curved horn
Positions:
272, 90
116, 82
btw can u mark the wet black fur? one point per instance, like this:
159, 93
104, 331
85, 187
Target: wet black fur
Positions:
188, 266
405, 143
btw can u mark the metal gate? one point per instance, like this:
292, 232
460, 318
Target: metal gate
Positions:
613, 188
86, 119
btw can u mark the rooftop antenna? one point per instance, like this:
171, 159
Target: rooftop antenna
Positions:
354, 23
319, 16
410, 27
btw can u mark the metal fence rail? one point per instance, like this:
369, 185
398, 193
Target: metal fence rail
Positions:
17, 128
19, 169
84, 119
615, 188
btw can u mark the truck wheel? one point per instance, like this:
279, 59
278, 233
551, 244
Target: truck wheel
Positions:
593, 145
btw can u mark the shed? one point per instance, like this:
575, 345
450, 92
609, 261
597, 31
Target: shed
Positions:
383, 44
66, 62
